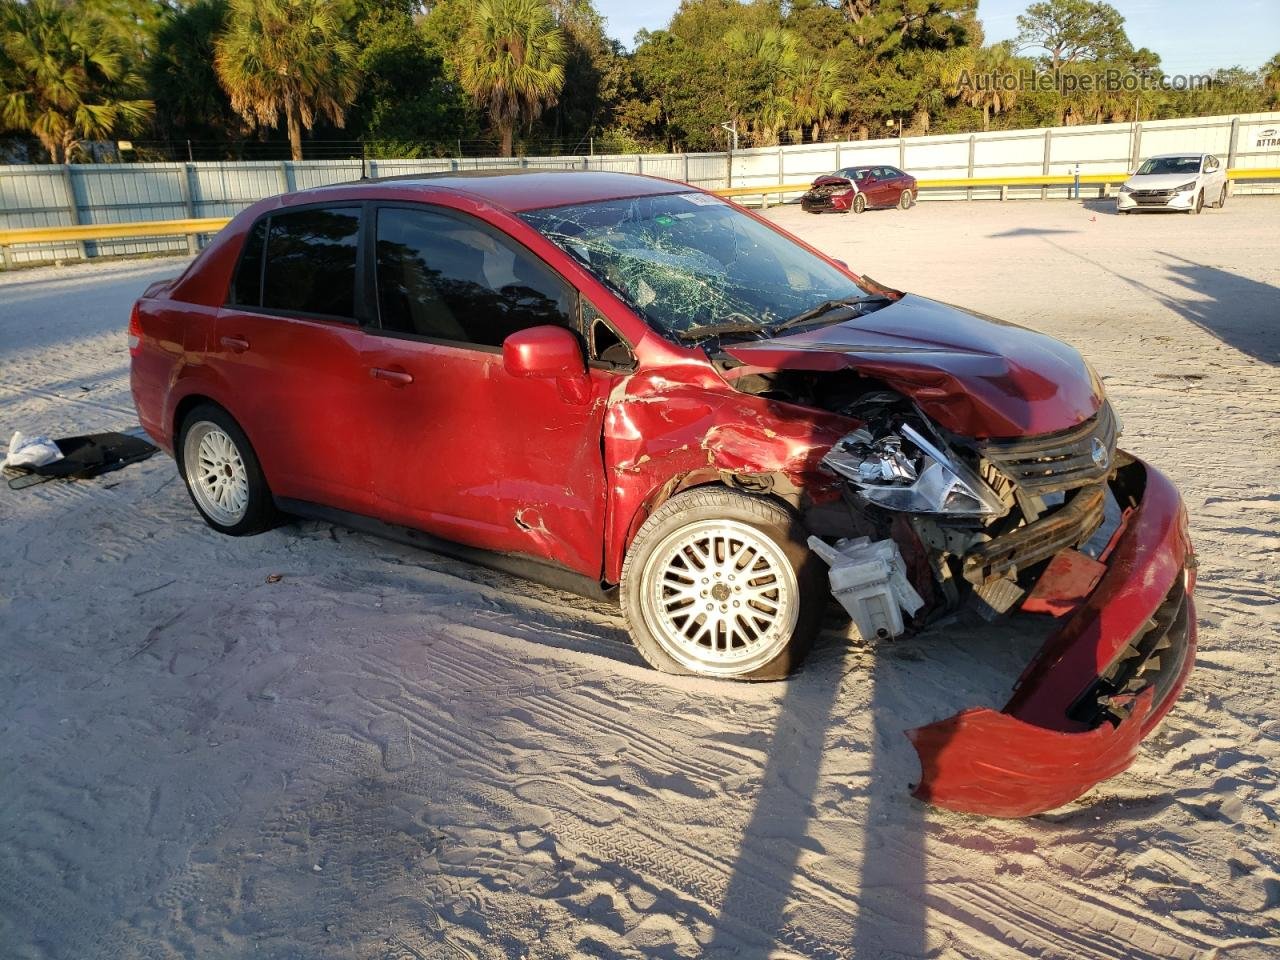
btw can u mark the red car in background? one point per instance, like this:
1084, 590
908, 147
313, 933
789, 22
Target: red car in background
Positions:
631, 387
859, 188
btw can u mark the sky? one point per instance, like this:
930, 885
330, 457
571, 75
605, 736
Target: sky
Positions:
1191, 36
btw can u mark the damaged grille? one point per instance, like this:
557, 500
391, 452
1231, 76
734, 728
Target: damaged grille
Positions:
1153, 657
1058, 461
820, 197
1021, 548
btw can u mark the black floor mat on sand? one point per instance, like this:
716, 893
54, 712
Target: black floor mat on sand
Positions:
84, 458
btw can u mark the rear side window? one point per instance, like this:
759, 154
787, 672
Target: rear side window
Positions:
311, 261
246, 291
453, 279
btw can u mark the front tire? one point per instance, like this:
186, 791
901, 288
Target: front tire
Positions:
718, 583
222, 473
905, 200
1199, 203
1222, 197
859, 203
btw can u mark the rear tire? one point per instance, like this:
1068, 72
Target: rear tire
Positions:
905, 200
718, 583
859, 203
223, 476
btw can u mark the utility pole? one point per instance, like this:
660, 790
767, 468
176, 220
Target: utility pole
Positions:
732, 127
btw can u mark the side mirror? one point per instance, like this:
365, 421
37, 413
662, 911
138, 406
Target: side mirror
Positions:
550, 353
547, 352
841, 262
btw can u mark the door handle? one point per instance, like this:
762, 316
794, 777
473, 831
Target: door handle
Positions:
397, 378
235, 344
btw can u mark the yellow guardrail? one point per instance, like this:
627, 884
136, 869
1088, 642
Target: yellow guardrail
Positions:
191, 228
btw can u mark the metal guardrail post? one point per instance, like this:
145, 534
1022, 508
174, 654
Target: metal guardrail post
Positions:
4, 257
193, 246
686, 168
1048, 150
1231, 144
1136, 157
973, 146
73, 207
902, 150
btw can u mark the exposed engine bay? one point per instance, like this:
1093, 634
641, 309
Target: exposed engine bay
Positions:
976, 523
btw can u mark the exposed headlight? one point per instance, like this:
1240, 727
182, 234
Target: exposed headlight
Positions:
908, 472
1187, 187
1125, 188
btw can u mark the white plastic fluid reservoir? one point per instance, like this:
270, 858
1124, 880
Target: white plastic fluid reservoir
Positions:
868, 580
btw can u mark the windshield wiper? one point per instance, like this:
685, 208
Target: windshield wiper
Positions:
828, 306
722, 327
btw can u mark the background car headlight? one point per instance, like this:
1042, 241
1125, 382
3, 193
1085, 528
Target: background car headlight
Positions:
1187, 187
908, 472
1125, 188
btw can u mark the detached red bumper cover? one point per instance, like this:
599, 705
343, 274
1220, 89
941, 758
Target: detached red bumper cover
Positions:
1096, 688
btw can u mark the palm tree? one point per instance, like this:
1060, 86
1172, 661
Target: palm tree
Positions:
814, 91
64, 76
287, 56
513, 58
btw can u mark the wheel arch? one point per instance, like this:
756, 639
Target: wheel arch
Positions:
774, 486
183, 408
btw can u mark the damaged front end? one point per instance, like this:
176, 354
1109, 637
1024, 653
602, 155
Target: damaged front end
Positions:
828, 193
1063, 525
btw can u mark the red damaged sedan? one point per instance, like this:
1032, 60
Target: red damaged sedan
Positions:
629, 386
855, 189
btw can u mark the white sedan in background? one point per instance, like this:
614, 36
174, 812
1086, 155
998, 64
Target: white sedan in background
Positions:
1175, 181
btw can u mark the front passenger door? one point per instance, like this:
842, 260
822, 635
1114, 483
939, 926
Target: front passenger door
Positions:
465, 450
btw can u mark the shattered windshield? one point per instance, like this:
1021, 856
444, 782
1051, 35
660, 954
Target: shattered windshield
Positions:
689, 262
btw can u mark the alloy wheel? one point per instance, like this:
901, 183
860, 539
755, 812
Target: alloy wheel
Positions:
721, 597
216, 473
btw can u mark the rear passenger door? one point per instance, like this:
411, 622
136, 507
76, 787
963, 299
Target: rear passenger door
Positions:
882, 193
288, 346
463, 449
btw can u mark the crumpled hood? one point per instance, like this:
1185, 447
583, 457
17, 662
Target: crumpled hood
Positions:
830, 180
973, 375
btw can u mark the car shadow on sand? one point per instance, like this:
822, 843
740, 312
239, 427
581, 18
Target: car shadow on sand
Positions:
1237, 310
830, 771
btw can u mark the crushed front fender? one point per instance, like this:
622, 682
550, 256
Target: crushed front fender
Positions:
1099, 685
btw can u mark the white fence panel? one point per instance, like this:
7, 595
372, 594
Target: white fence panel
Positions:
44, 195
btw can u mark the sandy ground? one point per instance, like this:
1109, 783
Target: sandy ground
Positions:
386, 754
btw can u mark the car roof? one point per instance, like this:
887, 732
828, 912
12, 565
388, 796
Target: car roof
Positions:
520, 189
1169, 156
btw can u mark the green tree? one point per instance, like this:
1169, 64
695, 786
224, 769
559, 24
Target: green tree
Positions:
287, 57
66, 76
513, 62
1271, 81
190, 102
1073, 30
813, 90
593, 74
409, 103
